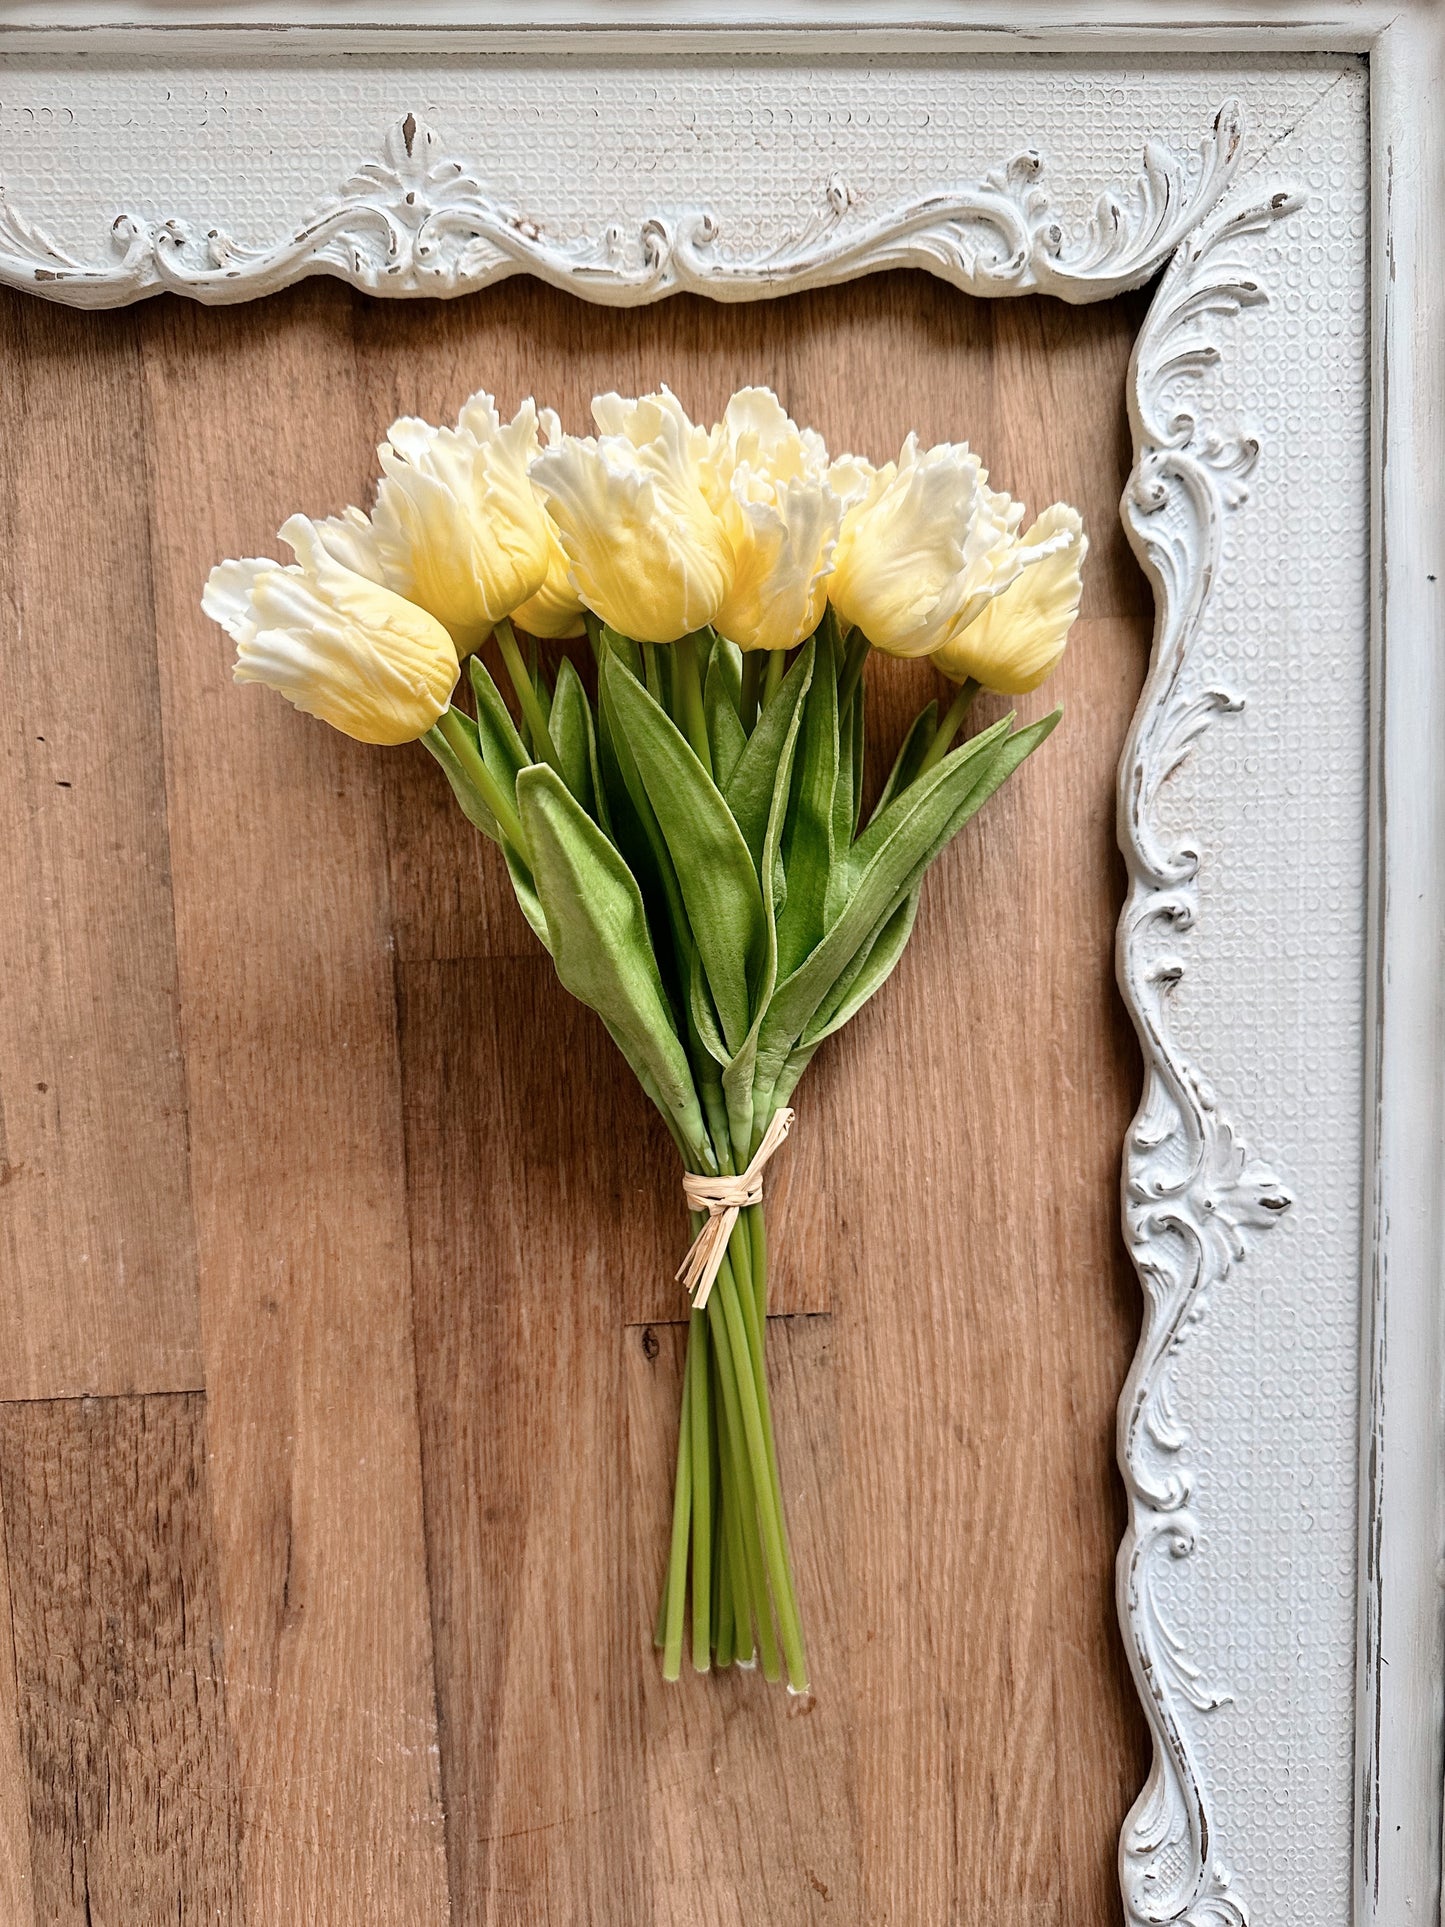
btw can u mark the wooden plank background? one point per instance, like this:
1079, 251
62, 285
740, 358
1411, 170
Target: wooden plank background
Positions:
338, 1350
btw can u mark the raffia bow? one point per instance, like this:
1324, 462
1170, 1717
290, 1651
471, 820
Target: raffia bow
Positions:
723, 1198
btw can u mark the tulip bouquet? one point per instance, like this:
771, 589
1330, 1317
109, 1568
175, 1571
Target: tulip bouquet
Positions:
685, 832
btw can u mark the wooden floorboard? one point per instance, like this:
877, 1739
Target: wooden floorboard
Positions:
96, 1238
17, 1898
332, 1143
285, 970
127, 1755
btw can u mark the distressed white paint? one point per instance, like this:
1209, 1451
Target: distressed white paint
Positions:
423, 213
1401, 1639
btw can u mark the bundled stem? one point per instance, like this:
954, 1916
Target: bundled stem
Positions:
729, 1538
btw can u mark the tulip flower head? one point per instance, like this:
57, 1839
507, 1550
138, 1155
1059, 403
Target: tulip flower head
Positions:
457, 525
646, 552
332, 641
910, 533
768, 482
1018, 634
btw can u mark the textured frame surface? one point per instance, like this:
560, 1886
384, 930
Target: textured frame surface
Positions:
421, 215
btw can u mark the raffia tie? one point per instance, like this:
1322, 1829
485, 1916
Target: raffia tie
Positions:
723, 1198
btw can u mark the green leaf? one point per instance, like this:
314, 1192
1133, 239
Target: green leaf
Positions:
923, 799
719, 656
848, 791
570, 722
599, 789
881, 952
722, 699
599, 939
860, 745
616, 644
503, 751
808, 835
911, 753
880, 869
868, 972
525, 891
768, 757
474, 808
715, 872
640, 840
737, 1079
1016, 749
703, 1013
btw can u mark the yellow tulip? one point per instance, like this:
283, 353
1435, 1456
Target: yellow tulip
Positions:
333, 642
457, 525
554, 610
1019, 633
767, 480
646, 551
911, 532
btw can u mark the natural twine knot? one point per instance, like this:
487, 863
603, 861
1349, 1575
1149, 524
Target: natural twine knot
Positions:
722, 1198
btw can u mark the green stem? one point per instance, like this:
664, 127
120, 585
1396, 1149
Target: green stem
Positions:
755, 1322
752, 682
719, 1555
953, 718
758, 1236
687, 688
723, 1651
697, 1366
532, 710
777, 664
455, 735
538, 677
745, 1649
748, 1507
729, 1565
858, 651
761, 1465
677, 1559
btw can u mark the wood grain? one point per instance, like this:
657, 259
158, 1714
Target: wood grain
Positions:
17, 1903
435, 1223
129, 1763
95, 1221
297, 1167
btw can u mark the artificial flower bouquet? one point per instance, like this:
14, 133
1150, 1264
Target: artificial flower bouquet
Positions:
685, 832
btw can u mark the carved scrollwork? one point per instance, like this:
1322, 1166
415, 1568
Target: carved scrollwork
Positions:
418, 221
1193, 1194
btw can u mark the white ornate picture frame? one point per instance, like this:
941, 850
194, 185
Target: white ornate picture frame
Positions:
1281, 797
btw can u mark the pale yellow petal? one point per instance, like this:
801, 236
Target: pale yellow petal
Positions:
1018, 638
334, 643
782, 546
457, 526
351, 539
555, 610
645, 551
769, 484
899, 567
